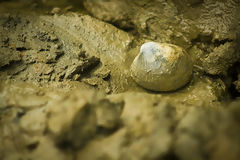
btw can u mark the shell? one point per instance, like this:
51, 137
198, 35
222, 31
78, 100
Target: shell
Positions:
161, 67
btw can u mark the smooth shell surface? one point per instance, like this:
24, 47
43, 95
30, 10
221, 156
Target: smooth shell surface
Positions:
161, 67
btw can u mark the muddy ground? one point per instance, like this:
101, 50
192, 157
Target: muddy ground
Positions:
66, 92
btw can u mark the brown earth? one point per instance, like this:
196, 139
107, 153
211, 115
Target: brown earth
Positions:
66, 90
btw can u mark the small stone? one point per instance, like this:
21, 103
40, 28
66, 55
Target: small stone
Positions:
161, 67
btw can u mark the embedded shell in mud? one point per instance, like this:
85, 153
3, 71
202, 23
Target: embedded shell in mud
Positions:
161, 67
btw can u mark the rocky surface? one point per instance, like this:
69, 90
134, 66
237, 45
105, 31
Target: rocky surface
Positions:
66, 90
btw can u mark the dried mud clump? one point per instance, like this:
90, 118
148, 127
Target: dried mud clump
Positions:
39, 55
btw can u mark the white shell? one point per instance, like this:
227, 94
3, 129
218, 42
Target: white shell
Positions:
161, 67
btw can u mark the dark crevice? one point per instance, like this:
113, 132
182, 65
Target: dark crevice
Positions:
42, 50
32, 146
108, 131
203, 42
218, 43
128, 28
65, 144
21, 49
91, 64
59, 55
197, 3
214, 76
202, 39
11, 63
20, 114
107, 78
233, 74
207, 39
170, 156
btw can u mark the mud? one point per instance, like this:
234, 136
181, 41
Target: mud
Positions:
66, 90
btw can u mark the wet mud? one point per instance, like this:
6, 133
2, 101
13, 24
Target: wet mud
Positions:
66, 90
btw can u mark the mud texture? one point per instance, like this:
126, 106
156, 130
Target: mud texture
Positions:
66, 92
